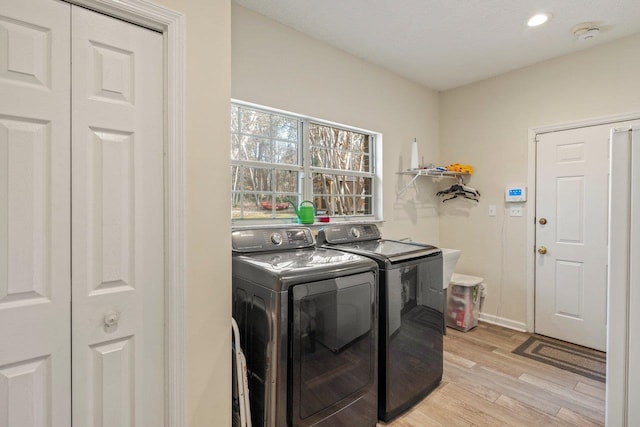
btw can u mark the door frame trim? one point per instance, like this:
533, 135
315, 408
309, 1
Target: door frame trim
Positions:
533, 132
172, 26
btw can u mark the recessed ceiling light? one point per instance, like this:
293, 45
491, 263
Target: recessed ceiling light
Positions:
538, 19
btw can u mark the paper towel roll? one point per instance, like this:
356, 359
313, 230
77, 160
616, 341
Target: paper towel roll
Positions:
414, 154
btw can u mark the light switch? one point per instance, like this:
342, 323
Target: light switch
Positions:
492, 210
516, 211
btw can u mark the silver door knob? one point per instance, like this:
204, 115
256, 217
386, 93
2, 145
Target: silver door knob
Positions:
111, 318
542, 250
543, 221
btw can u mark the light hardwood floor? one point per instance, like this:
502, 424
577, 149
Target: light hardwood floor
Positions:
484, 384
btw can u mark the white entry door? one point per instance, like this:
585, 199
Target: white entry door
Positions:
117, 223
572, 169
35, 350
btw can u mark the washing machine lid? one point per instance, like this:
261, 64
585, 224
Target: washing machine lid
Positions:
365, 239
278, 270
389, 250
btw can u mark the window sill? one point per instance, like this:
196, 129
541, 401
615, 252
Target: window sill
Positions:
253, 224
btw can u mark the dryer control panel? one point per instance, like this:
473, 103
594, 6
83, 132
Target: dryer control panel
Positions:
269, 239
344, 233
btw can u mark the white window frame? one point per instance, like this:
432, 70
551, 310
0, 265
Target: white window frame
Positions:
305, 170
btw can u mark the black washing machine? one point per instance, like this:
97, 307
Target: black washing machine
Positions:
308, 327
410, 313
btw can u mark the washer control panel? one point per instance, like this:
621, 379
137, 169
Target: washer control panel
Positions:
268, 239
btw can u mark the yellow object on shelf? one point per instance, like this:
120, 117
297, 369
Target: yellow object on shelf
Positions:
457, 167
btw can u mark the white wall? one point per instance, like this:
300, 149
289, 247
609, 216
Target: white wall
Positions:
276, 66
487, 124
208, 287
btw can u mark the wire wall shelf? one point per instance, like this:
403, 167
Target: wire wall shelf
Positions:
417, 173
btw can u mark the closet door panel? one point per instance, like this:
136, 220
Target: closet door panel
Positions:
35, 371
118, 223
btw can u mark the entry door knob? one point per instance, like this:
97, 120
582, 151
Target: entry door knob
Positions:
111, 318
542, 250
543, 221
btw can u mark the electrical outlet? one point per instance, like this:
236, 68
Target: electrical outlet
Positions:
516, 211
492, 210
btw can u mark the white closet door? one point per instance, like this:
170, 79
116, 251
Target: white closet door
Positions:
117, 235
34, 214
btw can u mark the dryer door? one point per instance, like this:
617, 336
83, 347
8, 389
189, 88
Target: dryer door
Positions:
333, 345
410, 334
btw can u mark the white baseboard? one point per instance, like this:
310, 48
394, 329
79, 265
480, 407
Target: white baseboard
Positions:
501, 321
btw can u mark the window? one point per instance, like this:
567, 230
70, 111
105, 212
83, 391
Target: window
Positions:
279, 159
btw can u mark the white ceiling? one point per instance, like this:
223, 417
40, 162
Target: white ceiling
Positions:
448, 43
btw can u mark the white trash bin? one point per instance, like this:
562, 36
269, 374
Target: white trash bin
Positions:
463, 301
